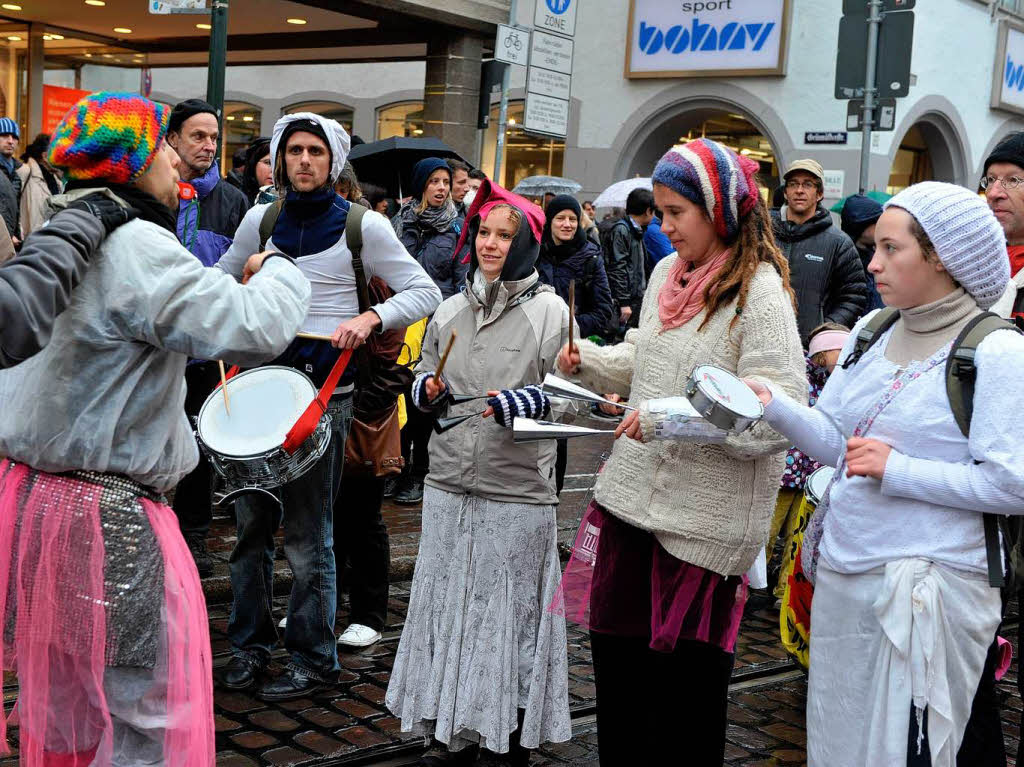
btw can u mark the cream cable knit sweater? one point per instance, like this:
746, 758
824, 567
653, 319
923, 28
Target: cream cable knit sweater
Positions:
707, 504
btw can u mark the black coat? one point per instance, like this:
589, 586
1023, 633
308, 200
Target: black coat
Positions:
593, 297
10, 199
435, 252
824, 270
626, 259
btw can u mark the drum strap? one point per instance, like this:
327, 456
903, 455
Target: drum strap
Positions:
307, 422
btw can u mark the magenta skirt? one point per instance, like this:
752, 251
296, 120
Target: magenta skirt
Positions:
58, 635
621, 581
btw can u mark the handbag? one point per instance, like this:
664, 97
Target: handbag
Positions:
373, 447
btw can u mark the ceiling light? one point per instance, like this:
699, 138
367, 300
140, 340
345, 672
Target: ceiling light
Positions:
230, 117
11, 7
247, 118
203, 26
511, 121
56, 37
418, 132
97, 3
123, 30
296, 21
108, 55
14, 38
88, 55
47, 37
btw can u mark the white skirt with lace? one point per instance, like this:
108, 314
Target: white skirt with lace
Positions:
479, 642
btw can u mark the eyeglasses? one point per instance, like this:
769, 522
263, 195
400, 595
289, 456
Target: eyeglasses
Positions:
1008, 182
801, 185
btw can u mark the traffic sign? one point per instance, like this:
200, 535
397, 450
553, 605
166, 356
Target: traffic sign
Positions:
551, 52
895, 45
855, 7
885, 115
512, 45
546, 115
548, 83
558, 16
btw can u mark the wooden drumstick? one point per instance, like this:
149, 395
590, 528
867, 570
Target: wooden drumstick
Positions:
224, 385
572, 310
444, 359
314, 337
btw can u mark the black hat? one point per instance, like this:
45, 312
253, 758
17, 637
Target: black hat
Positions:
1010, 149
186, 109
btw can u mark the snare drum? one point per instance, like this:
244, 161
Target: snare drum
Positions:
245, 447
817, 484
723, 399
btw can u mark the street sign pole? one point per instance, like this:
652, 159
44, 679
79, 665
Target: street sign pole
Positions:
499, 152
874, 21
218, 61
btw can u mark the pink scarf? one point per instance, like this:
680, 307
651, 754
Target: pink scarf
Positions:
681, 298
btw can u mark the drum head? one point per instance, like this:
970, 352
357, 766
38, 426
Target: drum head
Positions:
265, 404
817, 483
728, 391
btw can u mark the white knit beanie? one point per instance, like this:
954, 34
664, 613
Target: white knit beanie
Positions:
967, 237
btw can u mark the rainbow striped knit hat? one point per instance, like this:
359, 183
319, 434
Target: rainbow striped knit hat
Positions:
110, 136
713, 176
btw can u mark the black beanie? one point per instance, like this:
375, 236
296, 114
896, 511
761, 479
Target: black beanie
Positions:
1010, 149
554, 207
305, 126
186, 109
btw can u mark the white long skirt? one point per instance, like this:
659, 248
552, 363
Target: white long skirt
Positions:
912, 634
479, 642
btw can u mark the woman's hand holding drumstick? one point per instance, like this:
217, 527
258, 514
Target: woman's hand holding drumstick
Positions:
435, 386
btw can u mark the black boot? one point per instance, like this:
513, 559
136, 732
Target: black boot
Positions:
440, 756
517, 755
196, 543
240, 673
410, 491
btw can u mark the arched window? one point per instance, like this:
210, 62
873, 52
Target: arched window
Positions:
241, 126
525, 155
405, 119
332, 110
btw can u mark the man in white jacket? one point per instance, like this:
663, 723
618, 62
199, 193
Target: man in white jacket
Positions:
308, 224
106, 614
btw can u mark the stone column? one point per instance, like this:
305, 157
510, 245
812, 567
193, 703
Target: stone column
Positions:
451, 89
36, 64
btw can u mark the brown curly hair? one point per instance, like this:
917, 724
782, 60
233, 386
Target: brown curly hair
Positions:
754, 245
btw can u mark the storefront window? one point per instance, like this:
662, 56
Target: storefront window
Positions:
400, 120
332, 110
525, 155
241, 126
912, 163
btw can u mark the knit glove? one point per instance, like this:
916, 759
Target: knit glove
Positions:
528, 402
110, 213
419, 393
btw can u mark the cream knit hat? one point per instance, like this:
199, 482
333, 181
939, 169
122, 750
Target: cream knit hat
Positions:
967, 237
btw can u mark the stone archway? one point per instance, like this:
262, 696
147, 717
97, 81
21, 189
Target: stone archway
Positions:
931, 149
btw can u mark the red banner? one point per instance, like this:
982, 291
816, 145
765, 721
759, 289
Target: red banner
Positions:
56, 103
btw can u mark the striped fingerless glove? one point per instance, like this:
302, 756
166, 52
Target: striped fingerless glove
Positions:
528, 402
419, 393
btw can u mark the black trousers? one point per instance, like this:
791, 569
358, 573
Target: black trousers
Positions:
361, 541
561, 461
649, 701
415, 440
982, 745
193, 497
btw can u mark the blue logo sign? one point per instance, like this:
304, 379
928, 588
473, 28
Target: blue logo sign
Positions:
1014, 75
734, 36
558, 6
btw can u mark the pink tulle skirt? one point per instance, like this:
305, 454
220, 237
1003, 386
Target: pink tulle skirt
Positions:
74, 708
621, 581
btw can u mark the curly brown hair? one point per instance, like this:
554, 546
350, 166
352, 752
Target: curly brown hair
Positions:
754, 245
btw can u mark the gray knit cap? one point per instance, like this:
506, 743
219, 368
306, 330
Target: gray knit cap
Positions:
967, 237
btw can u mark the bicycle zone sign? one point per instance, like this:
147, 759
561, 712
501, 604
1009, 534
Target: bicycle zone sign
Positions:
512, 45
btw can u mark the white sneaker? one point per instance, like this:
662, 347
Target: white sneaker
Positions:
283, 623
358, 635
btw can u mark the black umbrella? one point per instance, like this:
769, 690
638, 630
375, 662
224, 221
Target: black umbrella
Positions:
388, 163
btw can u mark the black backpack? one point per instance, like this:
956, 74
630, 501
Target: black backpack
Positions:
961, 375
605, 229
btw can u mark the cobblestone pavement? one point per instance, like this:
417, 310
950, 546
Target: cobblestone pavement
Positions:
349, 724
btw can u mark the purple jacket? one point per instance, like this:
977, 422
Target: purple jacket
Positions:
207, 224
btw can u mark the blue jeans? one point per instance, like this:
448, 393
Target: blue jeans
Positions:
309, 547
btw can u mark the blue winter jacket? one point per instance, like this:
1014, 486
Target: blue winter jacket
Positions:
435, 252
207, 224
584, 264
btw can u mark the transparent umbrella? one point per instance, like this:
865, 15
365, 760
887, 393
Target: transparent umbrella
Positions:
538, 186
615, 195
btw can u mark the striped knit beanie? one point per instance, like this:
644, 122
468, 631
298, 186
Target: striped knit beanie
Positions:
968, 239
7, 125
714, 177
110, 136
